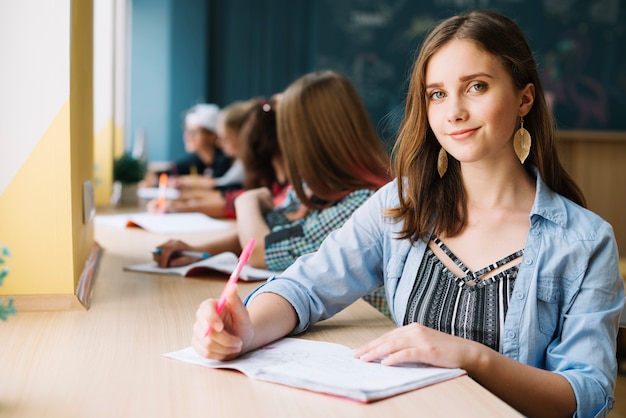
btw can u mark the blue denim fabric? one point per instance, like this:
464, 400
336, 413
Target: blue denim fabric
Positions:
564, 310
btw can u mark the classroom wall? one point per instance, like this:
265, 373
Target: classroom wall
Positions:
46, 137
168, 68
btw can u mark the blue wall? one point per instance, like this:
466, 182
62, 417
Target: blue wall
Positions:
168, 73
259, 47
189, 65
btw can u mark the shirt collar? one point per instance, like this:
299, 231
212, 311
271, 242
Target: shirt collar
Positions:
548, 204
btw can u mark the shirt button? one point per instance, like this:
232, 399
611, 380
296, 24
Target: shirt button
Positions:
510, 334
528, 261
536, 232
519, 295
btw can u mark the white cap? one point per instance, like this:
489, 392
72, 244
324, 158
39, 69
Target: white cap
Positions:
204, 115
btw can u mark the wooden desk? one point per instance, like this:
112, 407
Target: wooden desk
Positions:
106, 362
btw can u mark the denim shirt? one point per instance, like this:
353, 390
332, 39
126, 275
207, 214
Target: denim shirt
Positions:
564, 310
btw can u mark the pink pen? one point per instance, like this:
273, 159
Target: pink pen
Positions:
243, 259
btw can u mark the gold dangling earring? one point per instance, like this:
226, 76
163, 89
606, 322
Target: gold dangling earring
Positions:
521, 142
442, 162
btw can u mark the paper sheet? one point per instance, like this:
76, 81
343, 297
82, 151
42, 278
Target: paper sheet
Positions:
167, 223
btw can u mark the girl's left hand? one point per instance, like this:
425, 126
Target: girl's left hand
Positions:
415, 343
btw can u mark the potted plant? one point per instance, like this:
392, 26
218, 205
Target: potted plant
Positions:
128, 171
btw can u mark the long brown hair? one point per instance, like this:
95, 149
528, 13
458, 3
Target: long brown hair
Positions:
427, 201
328, 140
260, 145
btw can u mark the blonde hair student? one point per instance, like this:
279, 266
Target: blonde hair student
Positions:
489, 260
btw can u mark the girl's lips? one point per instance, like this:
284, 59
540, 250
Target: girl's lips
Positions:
462, 134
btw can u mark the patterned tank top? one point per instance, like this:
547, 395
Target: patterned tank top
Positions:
470, 307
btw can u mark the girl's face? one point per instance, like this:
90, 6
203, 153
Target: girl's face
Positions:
473, 107
196, 138
228, 140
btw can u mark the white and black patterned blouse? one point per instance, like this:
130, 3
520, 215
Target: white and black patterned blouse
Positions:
468, 307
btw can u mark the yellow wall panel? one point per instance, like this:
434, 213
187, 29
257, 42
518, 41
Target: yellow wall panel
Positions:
41, 209
81, 129
103, 164
36, 215
118, 142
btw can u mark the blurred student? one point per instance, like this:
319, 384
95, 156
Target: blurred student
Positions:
213, 195
230, 121
200, 140
489, 259
334, 161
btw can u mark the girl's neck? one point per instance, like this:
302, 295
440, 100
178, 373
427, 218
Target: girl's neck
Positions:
510, 186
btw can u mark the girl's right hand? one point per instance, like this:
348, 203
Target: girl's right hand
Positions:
166, 256
153, 206
230, 330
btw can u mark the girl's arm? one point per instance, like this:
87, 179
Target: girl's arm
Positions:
304, 294
239, 330
250, 207
230, 242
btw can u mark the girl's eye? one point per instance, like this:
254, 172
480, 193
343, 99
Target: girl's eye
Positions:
478, 87
437, 95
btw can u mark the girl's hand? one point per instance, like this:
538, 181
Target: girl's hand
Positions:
168, 256
153, 206
415, 343
230, 331
193, 182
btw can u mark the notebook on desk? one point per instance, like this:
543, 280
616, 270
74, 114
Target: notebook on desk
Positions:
223, 263
327, 368
166, 223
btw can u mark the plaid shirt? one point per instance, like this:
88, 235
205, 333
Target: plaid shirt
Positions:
291, 239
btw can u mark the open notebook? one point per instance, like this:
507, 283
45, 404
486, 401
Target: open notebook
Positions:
220, 263
326, 368
166, 223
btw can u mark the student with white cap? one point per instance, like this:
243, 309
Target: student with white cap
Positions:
200, 138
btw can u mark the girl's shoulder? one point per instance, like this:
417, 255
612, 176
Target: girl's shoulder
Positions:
571, 219
388, 192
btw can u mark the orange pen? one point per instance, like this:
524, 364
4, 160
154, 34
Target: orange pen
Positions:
162, 189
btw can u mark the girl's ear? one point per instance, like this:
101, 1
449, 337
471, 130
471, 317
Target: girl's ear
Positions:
527, 98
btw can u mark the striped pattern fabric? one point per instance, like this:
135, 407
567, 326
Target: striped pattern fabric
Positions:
470, 307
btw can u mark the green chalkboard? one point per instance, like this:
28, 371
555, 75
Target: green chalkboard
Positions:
580, 46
